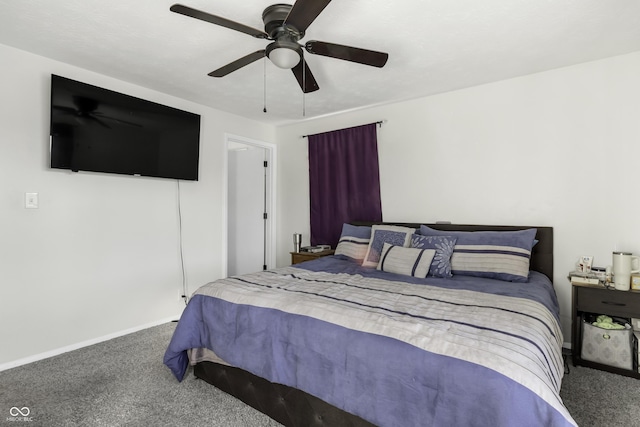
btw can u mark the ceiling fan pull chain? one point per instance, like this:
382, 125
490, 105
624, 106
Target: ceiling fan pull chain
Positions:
264, 82
304, 83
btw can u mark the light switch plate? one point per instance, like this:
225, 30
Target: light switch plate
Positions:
31, 200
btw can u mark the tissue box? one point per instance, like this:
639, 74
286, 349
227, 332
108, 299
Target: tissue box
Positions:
613, 347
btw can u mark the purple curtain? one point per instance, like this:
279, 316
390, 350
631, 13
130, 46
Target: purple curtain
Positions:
344, 181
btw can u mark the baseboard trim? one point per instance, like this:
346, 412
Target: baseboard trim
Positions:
76, 346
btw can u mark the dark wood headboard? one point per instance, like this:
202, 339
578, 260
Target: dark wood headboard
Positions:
541, 256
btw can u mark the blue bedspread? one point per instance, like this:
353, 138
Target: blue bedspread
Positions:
391, 349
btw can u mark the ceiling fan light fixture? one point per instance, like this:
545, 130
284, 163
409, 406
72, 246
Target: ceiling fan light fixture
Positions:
284, 57
284, 54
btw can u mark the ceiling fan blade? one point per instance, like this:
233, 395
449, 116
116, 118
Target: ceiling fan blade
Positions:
92, 118
304, 12
238, 63
308, 84
67, 110
223, 22
347, 53
100, 116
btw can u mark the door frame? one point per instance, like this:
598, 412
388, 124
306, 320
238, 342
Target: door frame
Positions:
270, 230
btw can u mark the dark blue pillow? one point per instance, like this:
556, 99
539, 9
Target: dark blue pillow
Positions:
443, 245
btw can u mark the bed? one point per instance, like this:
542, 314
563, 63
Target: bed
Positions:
351, 341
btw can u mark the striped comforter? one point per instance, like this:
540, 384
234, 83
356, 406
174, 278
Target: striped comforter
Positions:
394, 350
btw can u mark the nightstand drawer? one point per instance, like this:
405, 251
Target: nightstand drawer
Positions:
604, 301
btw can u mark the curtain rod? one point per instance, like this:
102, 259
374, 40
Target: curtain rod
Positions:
379, 123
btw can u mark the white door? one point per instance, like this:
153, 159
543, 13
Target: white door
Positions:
246, 234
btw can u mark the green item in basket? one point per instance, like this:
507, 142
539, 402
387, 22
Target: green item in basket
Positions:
606, 322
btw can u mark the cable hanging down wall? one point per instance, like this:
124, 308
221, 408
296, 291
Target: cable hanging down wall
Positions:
184, 293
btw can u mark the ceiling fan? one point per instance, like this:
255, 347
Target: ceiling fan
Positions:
284, 25
85, 112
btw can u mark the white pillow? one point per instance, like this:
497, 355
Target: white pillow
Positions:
408, 261
380, 234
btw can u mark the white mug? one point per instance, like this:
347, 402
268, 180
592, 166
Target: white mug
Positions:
624, 263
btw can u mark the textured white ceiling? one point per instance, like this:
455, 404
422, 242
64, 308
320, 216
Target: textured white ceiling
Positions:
434, 46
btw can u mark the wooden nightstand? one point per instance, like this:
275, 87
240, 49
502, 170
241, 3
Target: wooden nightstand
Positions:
297, 257
599, 300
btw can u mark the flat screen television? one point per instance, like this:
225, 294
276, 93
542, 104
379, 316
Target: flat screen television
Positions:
99, 130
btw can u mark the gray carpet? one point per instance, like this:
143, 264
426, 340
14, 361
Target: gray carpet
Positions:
601, 399
123, 382
129, 386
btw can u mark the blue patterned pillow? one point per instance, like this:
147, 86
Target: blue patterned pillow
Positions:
501, 255
354, 242
408, 261
443, 245
392, 234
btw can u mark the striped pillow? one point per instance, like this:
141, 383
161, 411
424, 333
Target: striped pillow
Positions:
501, 255
354, 242
408, 261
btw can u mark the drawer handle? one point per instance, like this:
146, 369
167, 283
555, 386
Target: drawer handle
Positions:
620, 304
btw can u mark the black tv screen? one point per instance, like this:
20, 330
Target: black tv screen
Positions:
99, 130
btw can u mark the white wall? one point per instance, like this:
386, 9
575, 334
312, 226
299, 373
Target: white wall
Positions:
100, 256
559, 148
